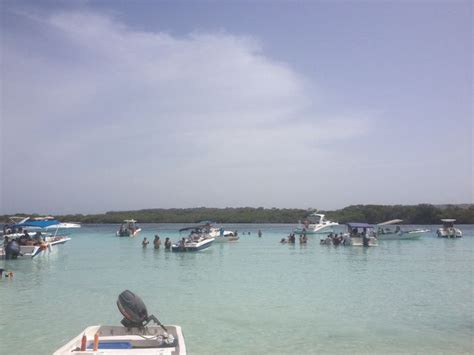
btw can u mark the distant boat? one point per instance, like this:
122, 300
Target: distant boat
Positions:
197, 240
448, 230
385, 231
136, 336
315, 224
128, 228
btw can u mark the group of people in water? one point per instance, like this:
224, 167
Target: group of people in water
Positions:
157, 243
334, 239
292, 239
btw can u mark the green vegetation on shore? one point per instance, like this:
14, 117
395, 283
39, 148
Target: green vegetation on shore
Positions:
411, 214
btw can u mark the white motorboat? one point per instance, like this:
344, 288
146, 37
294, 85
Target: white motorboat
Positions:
448, 230
220, 234
360, 234
198, 239
226, 236
20, 242
386, 231
315, 224
128, 228
136, 336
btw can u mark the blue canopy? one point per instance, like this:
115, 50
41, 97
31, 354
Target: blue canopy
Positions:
359, 225
43, 223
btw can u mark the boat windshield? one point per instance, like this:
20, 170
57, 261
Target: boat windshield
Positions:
315, 219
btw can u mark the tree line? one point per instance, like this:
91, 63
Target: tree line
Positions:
411, 214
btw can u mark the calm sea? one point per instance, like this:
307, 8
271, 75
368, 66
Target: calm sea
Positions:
254, 296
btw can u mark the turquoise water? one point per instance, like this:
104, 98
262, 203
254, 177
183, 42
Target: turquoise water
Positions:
254, 296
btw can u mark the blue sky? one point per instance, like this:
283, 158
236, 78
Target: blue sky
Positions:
112, 105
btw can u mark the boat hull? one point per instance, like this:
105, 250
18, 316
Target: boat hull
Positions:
450, 232
128, 233
127, 341
26, 252
408, 235
192, 246
359, 242
226, 239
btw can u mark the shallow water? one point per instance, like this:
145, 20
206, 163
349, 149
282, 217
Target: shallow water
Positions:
253, 296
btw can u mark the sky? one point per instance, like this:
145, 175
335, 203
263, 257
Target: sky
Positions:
122, 105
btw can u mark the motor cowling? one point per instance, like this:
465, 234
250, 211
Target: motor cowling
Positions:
133, 309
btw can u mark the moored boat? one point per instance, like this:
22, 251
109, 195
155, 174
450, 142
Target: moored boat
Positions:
386, 231
360, 234
315, 223
198, 239
136, 336
220, 234
128, 228
21, 241
448, 230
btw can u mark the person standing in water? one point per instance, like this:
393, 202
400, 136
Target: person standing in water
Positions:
145, 242
157, 242
259, 233
167, 244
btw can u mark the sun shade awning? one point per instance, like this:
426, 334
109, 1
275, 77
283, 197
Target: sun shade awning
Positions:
359, 225
393, 221
38, 223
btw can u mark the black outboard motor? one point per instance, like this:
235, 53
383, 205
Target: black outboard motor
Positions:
134, 311
12, 250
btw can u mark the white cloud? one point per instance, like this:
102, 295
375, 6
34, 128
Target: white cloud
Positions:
131, 108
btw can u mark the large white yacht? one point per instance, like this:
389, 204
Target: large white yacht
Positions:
314, 224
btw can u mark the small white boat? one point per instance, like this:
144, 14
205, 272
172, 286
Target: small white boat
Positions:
448, 230
128, 228
198, 239
220, 234
386, 232
135, 337
360, 234
315, 224
227, 236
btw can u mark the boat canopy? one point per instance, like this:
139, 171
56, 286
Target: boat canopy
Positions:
359, 225
203, 223
200, 226
37, 223
393, 221
130, 221
448, 220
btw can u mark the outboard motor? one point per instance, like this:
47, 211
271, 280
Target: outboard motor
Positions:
12, 250
134, 311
